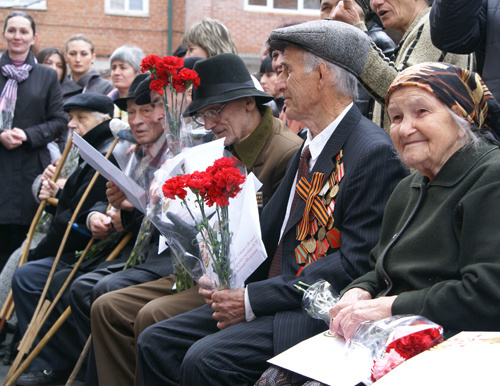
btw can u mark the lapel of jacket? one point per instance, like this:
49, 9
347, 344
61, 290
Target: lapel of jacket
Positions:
326, 161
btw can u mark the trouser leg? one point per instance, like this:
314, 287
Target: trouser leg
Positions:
112, 318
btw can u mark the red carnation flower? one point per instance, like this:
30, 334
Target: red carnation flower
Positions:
190, 76
157, 86
172, 63
149, 61
198, 182
179, 84
175, 187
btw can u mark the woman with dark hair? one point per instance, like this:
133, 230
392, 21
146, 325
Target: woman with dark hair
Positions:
53, 58
80, 56
31, 116
267, 79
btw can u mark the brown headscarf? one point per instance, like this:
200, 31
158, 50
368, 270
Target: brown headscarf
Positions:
463, 91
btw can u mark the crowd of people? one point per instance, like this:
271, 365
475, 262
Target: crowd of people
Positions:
400, 139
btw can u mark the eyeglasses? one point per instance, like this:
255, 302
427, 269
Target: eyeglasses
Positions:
211, 114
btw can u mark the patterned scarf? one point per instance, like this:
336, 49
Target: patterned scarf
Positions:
8, 97
461, 90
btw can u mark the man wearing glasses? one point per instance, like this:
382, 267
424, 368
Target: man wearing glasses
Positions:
228, 104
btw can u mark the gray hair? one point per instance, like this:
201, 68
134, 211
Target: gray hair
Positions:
345, 83
471, 136
212, 36
128, 54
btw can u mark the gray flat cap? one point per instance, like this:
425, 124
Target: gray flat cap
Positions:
336, 42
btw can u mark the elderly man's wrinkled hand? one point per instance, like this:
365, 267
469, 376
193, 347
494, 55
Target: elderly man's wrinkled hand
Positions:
117, 198
48, 173
100, 226
48, 189
228, 307
116, 219
206, 289
346, 12
348, 319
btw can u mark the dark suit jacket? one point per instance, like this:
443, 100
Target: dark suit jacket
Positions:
372, 170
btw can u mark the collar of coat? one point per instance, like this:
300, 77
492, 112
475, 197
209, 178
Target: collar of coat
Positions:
249, 148
456, 168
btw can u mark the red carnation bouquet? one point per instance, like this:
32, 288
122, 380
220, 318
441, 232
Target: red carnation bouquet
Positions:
169, 78
210, 189
391, 341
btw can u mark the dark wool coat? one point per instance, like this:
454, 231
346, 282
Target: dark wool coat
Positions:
439, 245
99, 137
39, 113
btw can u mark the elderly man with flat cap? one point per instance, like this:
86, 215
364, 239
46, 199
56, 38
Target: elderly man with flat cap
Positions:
89, 116
321, 223
232, 108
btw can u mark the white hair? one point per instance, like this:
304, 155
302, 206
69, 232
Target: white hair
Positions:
100, 117
470, 137
345, 83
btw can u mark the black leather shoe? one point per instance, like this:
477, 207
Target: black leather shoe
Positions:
44, 377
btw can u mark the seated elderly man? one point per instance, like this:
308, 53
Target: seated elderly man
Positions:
147, 130
89, 115
352, 163
234, 110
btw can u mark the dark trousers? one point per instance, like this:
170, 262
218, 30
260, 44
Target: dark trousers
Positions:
88, 287
189, 349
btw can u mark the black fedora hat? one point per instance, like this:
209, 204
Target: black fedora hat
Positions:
143, 93
223, 78
122, 102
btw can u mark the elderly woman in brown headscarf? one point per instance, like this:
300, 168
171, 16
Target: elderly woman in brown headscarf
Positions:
438, 251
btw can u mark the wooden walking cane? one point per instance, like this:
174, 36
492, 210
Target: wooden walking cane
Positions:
11, 379
8, 306
43, 305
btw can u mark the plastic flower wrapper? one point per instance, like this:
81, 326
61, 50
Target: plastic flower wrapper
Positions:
139, 163
206, 192
388, 342
318, 298
171, 81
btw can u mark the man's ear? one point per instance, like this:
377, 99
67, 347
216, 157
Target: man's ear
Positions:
250, 103
326, 78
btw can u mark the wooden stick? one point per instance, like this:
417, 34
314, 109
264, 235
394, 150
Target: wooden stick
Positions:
46, 312
30, 335
86, 349
8, 306
80, 361
11, 380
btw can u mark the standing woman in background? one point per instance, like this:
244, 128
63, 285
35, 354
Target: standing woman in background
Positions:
31, 116
80, 56
53, 58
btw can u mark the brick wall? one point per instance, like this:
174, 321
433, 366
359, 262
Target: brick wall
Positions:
64, 18
249, 30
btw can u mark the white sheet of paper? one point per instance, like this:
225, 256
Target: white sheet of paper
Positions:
135, 194
322, 358
247, 249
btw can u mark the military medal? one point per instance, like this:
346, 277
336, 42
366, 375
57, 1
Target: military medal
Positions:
315, 230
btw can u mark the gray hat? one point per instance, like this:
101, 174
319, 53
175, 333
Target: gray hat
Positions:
90, 101
223, 78
336, 42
